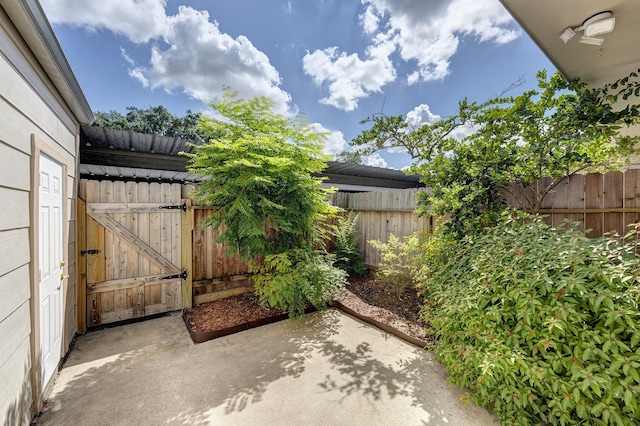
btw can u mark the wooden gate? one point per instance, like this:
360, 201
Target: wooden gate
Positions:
132, 249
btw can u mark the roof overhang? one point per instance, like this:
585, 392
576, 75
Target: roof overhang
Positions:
31, 22
123, 155
545, 20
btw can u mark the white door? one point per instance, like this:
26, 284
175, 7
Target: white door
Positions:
51, 265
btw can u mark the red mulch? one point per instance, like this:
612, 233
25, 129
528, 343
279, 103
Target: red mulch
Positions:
228, 312
364, 295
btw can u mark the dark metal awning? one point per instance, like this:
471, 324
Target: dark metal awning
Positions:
126, 155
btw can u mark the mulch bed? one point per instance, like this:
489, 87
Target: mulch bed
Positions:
228, 312
364, 298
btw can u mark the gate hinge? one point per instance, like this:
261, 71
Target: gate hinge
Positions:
182, 275
91, 251
182, 207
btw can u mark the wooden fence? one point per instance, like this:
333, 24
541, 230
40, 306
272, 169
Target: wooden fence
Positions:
215, 275
130, 250
381, 214
599, 202
137, 234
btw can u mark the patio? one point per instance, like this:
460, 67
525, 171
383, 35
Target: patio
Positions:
326, 369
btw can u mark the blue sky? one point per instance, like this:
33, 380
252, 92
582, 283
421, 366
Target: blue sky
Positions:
337, 61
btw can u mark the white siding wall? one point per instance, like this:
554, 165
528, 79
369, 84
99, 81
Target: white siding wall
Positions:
28, 106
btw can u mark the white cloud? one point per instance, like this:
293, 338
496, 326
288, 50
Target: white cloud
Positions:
426, 33
349, 77
374, 160
126, 57
334, 142
421, 115
138, 74
138, 20
462, 132
195, 57
369, 20
200, 59
429, 32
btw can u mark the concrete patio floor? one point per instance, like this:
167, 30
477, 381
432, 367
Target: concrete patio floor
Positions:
326, 369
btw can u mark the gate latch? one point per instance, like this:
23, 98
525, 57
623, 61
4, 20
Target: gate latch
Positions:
182, 275
182, 207
91, 251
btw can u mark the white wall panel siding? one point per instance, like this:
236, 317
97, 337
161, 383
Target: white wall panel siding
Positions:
15, 392
14, 249
14, 291
41, 107
15, 129
17, 93
26, 68
15, 212
14, 168
13, 331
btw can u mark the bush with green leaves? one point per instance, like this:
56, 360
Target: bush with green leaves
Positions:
400, 261
540, 324
259, 174
510, 144
348, 256
291, 279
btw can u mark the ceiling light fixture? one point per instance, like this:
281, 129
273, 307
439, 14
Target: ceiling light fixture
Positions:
598, 24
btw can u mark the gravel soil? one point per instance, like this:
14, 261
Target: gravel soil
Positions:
364, 295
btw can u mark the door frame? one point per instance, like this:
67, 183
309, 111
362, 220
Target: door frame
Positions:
39, 148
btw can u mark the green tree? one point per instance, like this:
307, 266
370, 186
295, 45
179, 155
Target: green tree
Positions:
511, 144
260, 169
155, 120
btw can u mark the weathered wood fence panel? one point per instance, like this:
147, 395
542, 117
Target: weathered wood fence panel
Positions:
133, 245
215, 275
123, 221
600, 203
381, 214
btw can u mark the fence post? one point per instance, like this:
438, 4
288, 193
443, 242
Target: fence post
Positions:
81, 238
187, 254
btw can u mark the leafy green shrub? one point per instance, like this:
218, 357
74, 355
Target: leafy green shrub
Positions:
540, 324
400, 261
288, 280
348, 257
260, 177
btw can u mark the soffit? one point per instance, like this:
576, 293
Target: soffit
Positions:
545, 20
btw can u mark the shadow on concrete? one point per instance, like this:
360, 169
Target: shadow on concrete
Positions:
364, 371
172, 379
325, 364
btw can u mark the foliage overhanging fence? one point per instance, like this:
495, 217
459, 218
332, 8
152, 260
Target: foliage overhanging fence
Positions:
599, 202
381, 214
